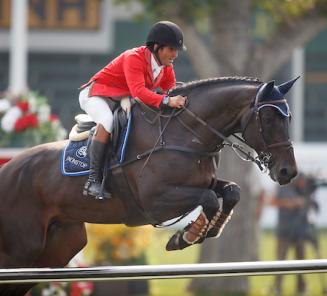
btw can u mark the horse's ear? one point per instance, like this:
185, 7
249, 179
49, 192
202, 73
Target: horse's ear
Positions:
266, 90
286, 86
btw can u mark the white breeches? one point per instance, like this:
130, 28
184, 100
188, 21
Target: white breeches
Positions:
97, 109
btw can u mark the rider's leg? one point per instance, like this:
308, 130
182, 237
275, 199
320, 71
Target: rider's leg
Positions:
230, 193
100, 112
97, 152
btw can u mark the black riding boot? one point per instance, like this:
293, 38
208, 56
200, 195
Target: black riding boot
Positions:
93, 185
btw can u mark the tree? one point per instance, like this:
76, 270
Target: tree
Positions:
220, 41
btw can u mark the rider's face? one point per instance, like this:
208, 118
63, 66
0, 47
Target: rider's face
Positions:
167, 55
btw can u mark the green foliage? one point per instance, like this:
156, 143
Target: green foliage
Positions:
282, 11
188, 10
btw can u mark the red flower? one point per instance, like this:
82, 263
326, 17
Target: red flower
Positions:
23, 105
53, 117
81, 288
25, 122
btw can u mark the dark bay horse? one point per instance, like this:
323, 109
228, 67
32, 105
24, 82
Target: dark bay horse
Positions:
42, 213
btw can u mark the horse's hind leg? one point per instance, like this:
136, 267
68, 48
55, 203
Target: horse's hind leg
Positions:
230, 193
64, 240
189, 198
21, 241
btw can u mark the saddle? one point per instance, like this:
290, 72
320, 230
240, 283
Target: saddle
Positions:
84, 127
83, 130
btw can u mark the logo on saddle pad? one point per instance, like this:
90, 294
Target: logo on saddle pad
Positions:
81, 152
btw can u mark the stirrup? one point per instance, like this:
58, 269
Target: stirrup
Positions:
98, 193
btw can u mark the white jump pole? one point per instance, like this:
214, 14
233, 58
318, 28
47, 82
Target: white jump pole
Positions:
141, 272
18, 47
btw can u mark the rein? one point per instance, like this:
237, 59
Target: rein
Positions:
248, 155
262, 160
157, 141
162, 145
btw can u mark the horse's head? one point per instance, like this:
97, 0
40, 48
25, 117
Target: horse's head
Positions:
265, 129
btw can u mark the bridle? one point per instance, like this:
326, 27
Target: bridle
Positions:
264, 156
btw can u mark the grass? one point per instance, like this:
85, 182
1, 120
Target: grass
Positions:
157, 254
260, 285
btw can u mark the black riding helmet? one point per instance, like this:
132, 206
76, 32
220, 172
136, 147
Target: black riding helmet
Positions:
167, 34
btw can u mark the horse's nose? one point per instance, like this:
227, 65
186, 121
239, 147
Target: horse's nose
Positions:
287, 173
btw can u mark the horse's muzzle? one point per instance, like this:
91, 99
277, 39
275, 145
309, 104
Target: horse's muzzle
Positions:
283, 174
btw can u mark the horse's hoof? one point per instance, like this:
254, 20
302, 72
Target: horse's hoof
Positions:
176, 242
173, 243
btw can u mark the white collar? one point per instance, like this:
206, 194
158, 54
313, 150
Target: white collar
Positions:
156, 69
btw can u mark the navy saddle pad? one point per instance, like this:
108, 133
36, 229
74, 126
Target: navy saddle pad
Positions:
75, 159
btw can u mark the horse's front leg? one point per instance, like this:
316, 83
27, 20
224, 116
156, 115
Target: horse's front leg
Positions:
230, 194
187, 199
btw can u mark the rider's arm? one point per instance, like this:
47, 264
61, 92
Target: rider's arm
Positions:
169, 82
134, 70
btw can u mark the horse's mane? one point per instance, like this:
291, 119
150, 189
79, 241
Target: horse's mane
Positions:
186, 87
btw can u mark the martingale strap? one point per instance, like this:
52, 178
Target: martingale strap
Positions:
166, 147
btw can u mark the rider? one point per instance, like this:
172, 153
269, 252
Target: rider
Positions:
136, 72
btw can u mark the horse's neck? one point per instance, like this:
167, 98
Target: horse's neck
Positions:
226, 107
231, 109
222, 109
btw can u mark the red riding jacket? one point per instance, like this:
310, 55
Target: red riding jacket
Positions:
131, 74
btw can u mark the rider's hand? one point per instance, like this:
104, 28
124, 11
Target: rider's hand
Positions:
177, 101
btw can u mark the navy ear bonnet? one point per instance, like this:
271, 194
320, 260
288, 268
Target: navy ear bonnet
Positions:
270, 95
